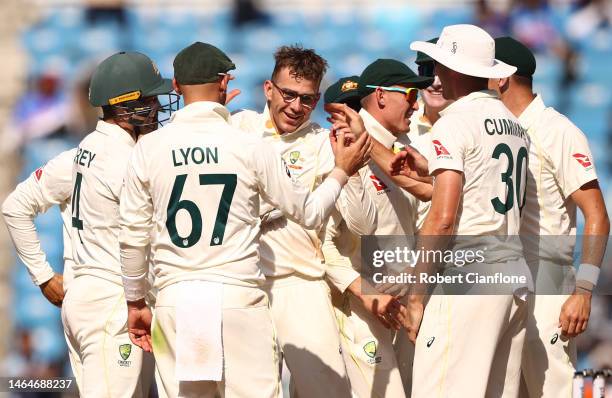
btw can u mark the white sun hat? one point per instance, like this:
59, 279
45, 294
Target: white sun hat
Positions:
466, 49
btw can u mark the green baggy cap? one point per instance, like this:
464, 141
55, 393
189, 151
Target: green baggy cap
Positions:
200, 63
387, 72
342, 90
515, 53
422, 57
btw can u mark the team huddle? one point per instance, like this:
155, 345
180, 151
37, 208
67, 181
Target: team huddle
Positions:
205, 252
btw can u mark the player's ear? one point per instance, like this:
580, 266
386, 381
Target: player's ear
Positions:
176, 87
380, 97
504, 83
268, 87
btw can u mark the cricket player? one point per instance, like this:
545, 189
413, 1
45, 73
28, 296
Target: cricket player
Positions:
388, 91
463, 336
197, 183
47, 186
562, 177
94, 314
431, 102
291, 254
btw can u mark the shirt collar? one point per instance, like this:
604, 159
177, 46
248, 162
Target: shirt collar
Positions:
463, 101
269, 129
532, 112
200, 110
376, 130
113, 130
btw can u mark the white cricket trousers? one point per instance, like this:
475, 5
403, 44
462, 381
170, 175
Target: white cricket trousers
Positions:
469, 346
250, 351
308, 334
103, 359
368, 352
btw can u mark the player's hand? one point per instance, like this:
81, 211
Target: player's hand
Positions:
139, 324
386, 308
53, 290
231, 95
575, 314
343, 113
414, 316
351, 157
408, 162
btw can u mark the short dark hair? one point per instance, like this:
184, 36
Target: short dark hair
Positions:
302, 63
526, 81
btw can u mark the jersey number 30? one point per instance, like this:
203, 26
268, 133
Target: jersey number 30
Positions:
175, 204
521, 164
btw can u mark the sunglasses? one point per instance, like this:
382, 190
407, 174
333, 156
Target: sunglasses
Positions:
411, 93
307, 100
426, 69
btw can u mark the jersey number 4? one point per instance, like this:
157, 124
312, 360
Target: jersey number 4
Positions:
521, 171
76, 198
175, 204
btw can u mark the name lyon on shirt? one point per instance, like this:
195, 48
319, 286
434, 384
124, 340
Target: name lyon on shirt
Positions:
197, 155
503, 127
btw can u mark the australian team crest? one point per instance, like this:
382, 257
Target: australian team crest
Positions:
371, 349
125, 350
294, 157
349, 85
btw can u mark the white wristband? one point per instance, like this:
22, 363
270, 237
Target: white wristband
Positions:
588, 273
135, 287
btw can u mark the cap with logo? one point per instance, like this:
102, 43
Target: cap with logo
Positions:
388, 72
342, 90
466, 49
515, 53
126, 76
201, 63
422, 57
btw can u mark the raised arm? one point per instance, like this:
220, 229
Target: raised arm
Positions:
310, 209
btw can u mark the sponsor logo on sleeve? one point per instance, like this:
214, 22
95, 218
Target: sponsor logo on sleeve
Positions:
583, 160
441, 151
38, 173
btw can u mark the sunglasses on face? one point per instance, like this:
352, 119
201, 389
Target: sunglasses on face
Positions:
426, 69
411, 93
307, 100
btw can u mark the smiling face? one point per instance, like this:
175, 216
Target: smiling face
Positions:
289, 115
432, 95
398, 110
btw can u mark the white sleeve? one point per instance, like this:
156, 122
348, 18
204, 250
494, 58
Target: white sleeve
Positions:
309, 209
449, 148
573, 163
47, 186
339, 271
357, 208
136, 213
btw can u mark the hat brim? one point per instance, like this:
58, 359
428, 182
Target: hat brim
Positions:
164, 87
419, 82
498, 70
